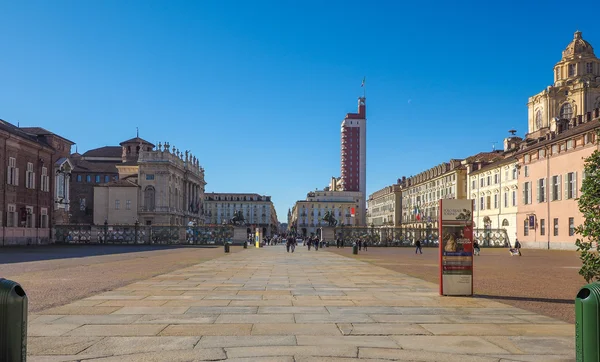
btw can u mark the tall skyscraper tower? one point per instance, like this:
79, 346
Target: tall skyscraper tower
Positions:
354, 156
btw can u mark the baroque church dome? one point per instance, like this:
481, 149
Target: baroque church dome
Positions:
578, 46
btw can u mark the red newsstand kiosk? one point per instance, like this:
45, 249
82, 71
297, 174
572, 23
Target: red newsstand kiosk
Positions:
455, 237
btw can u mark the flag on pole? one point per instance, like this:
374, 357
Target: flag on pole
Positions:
363, 82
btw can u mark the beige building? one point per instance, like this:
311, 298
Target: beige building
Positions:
171, 185
563, 120
385, 207
116, 202
306, 217
421, 193
258, 210
494, 189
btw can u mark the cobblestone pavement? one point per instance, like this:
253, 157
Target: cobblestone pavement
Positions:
541, 281
55, 275
269, 305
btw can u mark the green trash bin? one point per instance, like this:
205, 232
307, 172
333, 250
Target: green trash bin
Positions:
587, 323
226, 246
245, 245
13, 322
355, 249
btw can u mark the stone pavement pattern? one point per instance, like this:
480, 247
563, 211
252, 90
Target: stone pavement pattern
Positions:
269, 305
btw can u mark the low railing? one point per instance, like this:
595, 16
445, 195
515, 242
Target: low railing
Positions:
142, 234
399, 236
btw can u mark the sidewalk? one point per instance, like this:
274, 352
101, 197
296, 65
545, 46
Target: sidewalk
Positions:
269, 305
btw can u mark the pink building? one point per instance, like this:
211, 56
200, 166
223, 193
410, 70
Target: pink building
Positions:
550, 175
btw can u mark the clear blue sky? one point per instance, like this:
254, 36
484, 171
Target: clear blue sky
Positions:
258, 89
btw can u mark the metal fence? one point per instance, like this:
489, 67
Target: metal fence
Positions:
142, 234
398, 236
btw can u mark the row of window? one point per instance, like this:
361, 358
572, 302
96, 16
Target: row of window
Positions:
485, 203
558, 148
97, 178
12, 176
555, 224
487, 181
26, 217
569, 180
118, 204
572, 70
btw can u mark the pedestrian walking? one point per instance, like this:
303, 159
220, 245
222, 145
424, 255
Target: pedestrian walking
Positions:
359, 244
418, 246
476, 249
365, 245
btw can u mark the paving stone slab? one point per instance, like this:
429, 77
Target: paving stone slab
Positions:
245, 341
221, 310
59, 346
48, 330
320, 351
107, 330
207, 330
382, 329
209, 354
411, 355
329, 329
152, 310
410, 318
333, 318
449, 344
96, 319
354, 341
129, 345
292, 310
255, 318
176, 319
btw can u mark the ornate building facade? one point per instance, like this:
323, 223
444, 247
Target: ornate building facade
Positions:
169, 187
385, 207
575, 91
306, 217
258, 210
563, 121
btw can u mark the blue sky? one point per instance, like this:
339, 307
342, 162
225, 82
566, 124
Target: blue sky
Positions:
257, 89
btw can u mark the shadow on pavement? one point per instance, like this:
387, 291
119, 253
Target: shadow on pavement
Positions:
527, 299
20, 254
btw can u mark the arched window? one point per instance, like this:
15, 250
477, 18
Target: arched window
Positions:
149, 198
566, 111
504, 222
538, 119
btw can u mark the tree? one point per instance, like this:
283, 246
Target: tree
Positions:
588, 245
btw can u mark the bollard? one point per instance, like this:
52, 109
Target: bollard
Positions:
587, 321
13, 322
226, 246
355, 249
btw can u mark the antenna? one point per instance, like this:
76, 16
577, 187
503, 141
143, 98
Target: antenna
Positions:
137, 132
